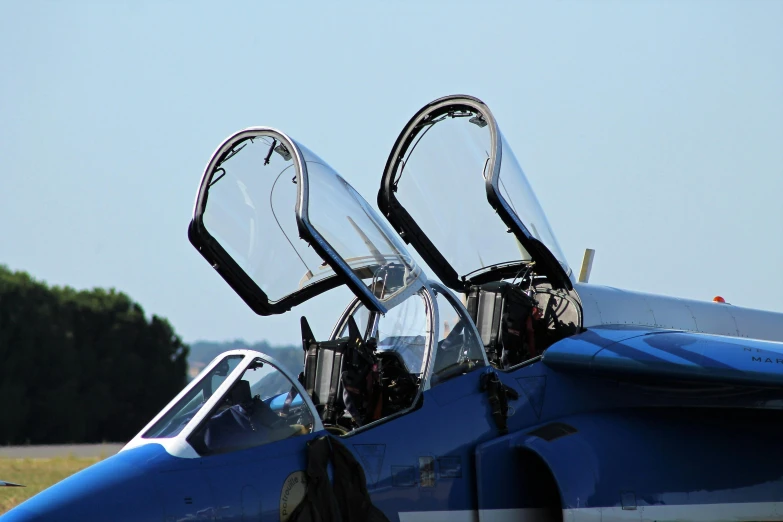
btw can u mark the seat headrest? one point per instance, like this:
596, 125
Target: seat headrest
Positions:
240, 393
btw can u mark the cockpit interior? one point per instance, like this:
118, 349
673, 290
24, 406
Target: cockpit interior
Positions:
501, 292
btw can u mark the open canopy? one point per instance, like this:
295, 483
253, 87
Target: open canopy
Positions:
447, 164
281, 226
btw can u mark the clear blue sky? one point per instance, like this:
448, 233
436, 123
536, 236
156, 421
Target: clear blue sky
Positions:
651, 131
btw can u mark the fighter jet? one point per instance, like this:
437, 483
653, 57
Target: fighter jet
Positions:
484, 382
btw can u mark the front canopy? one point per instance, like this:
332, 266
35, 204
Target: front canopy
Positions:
281, 226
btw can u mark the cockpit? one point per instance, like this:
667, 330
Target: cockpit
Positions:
387, 360
239, 402
373, 368
281, 227
453, 189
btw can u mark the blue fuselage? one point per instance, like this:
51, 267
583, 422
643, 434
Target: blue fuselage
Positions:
603, 443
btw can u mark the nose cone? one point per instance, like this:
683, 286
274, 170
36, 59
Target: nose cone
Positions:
118, 489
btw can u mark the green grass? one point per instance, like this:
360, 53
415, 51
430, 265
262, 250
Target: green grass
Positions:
37, 475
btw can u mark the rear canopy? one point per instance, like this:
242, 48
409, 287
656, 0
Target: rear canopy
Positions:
450, 176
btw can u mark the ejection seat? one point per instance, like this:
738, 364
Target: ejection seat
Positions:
323, 367
322, 374
342, 378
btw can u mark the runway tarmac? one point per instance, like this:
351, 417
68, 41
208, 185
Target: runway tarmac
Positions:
48, 452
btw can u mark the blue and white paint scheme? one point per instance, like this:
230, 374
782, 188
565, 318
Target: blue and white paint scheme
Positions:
632, 407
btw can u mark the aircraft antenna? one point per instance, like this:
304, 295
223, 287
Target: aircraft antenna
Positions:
587, 265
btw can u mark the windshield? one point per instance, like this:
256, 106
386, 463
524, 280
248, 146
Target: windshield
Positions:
403, 330
188, 406
262, 406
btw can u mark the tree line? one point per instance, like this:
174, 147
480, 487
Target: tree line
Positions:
291, 357
81, 365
